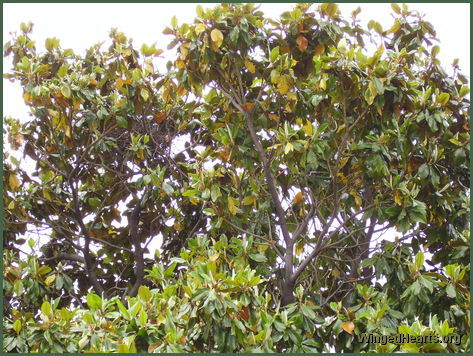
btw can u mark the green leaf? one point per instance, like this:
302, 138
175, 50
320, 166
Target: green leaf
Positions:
257, 257
62, 72
17, 326
274, 54
451, 291
404, 329
95, 202
426, 283
443, 98
123, 310
464, 91
122, 122
307, 311
144, 293
94, 301
88, 318
419, 260
143, 318
168, 189
46, 308
423, 171
200, 11
415, 288
215, 192
342, 46
66, 91
375, 25
378, 85
190, 193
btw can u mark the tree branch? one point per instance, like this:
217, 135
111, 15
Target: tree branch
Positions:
91, 275
138, 251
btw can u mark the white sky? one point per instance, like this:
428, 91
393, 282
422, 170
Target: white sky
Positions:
79, 26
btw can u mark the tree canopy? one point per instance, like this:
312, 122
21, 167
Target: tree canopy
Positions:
308, 177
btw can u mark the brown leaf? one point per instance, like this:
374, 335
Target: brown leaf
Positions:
273, 117
247, 106
244, 314
152, 347
348, 326
224, 156
298, 198
302, 43
319, 49
159, 117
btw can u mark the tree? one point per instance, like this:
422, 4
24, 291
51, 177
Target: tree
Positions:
300, 143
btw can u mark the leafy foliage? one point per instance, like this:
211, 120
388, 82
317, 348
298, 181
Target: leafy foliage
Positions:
272, 158
204, 302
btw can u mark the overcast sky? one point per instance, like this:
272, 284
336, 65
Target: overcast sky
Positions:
78, 26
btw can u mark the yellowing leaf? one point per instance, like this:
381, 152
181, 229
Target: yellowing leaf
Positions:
292, 96
298, 198
50, 279
319, 49
340, 128
307, 128
348, 326
180, 64
302, 43
199, 28
248, 200
27, 97
323, 83
119, 83
144, 94
217, 37
330, 9
231, 206
13, 181
343, 161
396, 8
358, 200
398, 197
395, 27
214, 257
262, 247
194, 201
299, 248
250, 66
177, 226
289, 147
283, 85
11, 206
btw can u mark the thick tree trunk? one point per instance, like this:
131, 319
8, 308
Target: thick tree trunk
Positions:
287, 292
